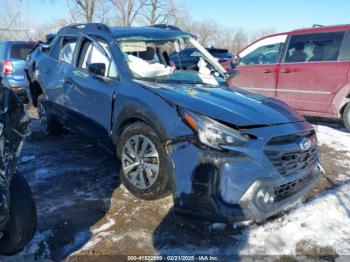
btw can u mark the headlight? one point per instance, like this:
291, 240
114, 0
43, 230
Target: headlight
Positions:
213, 133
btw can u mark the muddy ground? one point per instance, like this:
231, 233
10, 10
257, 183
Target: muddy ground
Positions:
84, 211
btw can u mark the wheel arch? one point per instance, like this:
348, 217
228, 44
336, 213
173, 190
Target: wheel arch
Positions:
35, 91
132, 114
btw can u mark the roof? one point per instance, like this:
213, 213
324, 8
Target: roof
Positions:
320, 29
148, 32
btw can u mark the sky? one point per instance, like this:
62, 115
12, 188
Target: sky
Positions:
249, 14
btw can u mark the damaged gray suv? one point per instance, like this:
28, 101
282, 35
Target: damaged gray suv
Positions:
224, 154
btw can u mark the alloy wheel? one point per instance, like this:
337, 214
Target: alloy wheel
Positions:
140, 161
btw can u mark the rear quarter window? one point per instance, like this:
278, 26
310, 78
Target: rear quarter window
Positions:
317, 47
20, 51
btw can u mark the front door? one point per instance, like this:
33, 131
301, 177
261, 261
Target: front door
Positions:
258, 67
91, 96
311, 74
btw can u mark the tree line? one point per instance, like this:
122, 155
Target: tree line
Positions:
14, 24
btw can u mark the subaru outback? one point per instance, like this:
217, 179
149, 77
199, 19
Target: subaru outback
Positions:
224, 154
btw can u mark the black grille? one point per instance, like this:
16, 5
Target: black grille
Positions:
286, 155
285, 190
289, 163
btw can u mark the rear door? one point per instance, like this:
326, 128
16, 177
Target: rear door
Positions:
258, 67
54, 68
311, 73
91, 95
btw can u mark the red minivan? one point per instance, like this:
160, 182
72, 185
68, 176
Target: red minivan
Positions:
307, 68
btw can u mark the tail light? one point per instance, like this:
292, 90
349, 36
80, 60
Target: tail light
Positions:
7, 67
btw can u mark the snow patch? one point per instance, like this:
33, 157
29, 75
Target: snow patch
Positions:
324, 220
27, 158
336, 138
104, 227
42, 174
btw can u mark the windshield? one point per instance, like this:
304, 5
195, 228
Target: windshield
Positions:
181, 60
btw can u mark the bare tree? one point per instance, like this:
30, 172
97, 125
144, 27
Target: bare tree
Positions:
159, 11
86, 10
128, 10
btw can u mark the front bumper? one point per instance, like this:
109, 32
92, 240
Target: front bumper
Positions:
231, 186
254, 207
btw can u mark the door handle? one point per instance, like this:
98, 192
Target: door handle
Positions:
69, 82
287, 70
268, 71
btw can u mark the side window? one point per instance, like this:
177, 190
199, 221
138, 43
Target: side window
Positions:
67, 49
90, 54
314, 47
265, 51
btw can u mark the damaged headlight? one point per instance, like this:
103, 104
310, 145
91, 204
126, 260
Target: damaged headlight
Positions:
212, 133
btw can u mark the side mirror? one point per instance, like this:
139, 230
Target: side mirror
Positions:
98, 69
235, 60
49, 38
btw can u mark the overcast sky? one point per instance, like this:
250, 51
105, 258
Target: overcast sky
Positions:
251, 14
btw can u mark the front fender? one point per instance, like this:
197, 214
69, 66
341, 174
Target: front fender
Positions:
161, 115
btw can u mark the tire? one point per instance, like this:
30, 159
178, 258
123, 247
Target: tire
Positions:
22, 222
144, 181
48, 123
346, 116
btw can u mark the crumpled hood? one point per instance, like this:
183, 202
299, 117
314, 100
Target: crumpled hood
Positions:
231, 105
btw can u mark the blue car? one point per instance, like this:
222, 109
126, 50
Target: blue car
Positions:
224, 154
13, 56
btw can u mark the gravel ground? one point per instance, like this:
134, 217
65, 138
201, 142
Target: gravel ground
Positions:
84, 211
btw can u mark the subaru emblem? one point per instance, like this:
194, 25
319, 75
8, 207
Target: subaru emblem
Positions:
304, 143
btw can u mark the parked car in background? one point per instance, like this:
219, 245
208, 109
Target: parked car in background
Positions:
307, 68
13, 56
224, 154
189, 57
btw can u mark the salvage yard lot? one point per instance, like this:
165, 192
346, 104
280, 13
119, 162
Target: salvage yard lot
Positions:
83, 209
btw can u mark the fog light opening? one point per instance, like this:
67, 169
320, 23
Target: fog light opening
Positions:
265, 197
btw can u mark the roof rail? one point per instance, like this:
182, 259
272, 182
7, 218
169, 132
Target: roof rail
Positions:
317, 25
86, 27
166, 26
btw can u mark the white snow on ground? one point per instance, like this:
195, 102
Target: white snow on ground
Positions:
104, 227
325, 221
27, 158
338, 139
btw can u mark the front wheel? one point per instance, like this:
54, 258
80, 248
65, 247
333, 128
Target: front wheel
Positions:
145, 164
21, 225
